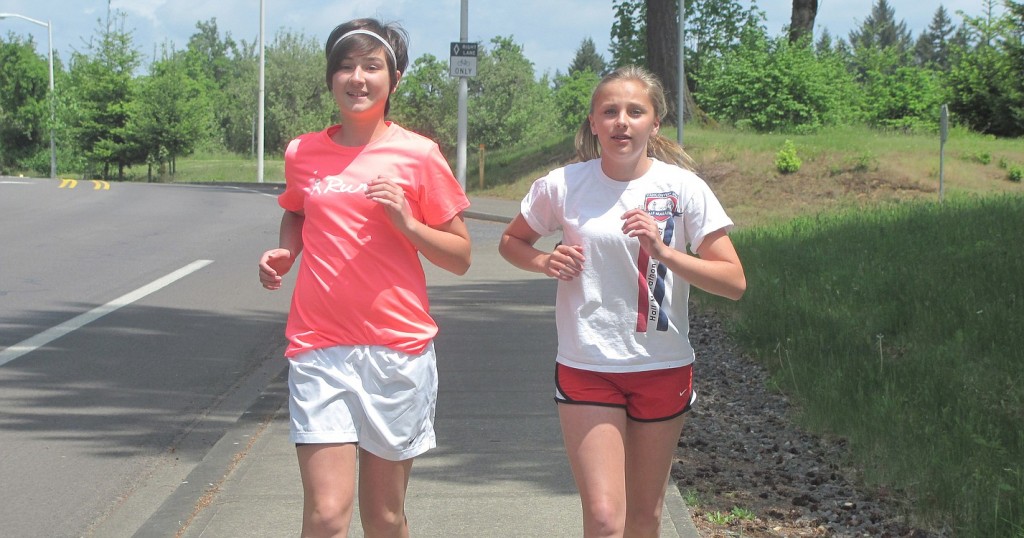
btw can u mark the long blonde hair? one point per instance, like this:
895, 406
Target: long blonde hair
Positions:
659, 147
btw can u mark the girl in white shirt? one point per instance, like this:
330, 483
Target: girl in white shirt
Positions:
627, 213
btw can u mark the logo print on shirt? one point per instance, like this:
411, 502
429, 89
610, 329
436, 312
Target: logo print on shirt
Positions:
661, 205
334, 184
651, 282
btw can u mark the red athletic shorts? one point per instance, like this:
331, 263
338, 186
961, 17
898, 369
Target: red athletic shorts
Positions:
650, 396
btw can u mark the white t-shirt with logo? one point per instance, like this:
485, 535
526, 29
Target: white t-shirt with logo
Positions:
625, 312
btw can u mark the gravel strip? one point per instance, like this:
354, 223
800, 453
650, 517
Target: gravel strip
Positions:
740, 449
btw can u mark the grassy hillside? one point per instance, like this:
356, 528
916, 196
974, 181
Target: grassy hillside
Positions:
841, 168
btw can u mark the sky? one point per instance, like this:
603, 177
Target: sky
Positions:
550, 31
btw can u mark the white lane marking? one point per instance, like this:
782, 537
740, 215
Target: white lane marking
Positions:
49, 335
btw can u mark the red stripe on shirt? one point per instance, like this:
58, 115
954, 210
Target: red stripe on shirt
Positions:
643, 301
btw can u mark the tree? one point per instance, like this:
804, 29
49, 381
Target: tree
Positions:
714, 27
663, 49
23, 101
572, 98
211, 62
427, 101
209, 54
587, 59
771, 85
880, 30
983, 83
238, 112
802, 21
1014, 47
297, 100
103, 86
171, 115
903, 97
507, 105
824, 43
932, 47
629, 33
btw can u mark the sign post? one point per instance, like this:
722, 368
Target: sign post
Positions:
462, 65
943, 135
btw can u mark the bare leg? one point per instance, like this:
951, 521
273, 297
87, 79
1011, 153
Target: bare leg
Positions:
595, 443
328, 487
650, 447
382, 488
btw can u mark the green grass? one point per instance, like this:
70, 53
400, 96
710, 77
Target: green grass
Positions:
226, 167
899, 329
720, 518
507, 173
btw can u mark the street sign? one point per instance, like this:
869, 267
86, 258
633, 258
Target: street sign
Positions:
463, 59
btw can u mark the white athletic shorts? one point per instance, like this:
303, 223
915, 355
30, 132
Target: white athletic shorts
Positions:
374, 396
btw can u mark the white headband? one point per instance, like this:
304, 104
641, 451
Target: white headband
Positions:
391, 51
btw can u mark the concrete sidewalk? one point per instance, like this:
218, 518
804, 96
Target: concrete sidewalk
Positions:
499, 469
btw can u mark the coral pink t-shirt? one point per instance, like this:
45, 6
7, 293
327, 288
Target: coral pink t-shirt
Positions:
360, 281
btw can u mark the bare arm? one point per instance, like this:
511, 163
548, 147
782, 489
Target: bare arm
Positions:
717, 270
275, 263
517, 246
446, 245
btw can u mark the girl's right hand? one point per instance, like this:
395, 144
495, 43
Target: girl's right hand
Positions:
565, 262
274, 264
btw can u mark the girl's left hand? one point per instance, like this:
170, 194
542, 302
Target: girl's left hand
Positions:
642, 226
389, 194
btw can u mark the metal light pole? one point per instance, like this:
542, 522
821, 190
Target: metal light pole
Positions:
49, 42
463, 114
262, 93
681, 103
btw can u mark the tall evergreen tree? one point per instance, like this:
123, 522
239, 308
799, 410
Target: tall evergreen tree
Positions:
932, 47
587, 59
824, 44
104, 88
881, 31
984, 83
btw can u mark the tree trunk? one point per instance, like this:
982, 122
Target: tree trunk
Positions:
663, 49
802, 22
663, 59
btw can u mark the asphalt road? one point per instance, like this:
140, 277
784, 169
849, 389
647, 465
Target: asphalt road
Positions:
133, 333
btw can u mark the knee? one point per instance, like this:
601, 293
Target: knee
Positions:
604, 518
326, 517
381, 521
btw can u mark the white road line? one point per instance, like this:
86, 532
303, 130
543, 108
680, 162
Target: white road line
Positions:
49, 335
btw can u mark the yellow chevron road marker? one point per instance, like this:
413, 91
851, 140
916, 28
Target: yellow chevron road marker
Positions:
68, 183
100, 185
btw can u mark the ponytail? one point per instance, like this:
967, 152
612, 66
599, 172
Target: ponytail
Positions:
667, 150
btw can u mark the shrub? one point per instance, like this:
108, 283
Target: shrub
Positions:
774, 86
786, 160
1016, 174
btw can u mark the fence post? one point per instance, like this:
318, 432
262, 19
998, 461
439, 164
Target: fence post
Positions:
481, 157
